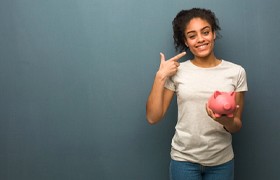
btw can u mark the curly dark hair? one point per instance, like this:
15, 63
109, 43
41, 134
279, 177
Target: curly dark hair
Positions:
184, 17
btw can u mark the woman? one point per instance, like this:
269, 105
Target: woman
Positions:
201, 146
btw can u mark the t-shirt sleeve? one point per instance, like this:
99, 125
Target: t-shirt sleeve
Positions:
169, 84
241, 81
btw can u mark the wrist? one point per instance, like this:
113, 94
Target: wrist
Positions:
161, 76
233, 126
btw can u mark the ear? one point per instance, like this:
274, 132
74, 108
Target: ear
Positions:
214, 35
185, 41
217, 93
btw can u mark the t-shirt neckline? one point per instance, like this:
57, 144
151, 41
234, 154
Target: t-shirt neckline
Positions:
214, 67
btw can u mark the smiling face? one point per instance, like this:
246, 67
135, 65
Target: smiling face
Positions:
200, 37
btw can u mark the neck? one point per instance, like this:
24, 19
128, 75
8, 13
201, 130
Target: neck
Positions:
206, 62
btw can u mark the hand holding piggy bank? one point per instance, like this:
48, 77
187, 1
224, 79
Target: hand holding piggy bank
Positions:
222, 103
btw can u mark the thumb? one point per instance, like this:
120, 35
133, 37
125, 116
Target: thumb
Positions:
162, 57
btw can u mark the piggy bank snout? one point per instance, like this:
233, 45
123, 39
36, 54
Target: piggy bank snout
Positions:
227, 106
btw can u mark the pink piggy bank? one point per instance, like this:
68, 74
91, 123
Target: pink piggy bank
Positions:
222, 103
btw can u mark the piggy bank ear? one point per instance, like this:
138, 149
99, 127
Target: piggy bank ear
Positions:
217, 93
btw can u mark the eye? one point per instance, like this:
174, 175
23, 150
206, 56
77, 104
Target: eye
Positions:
191, 36
205, 32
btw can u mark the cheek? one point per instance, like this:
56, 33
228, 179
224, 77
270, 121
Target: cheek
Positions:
190, 43
192, 49
211, 38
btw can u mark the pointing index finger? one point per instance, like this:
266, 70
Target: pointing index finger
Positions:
178, 56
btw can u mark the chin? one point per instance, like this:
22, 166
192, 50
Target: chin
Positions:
202, 54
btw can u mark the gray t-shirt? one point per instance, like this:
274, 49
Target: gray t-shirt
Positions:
198, 138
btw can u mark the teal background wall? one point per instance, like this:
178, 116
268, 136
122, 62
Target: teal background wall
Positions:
75, 76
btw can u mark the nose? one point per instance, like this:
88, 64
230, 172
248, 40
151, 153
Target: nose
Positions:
200, 38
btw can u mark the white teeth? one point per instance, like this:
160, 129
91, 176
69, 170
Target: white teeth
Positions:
202, 46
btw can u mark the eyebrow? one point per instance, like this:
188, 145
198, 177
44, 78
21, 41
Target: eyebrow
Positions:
200, 30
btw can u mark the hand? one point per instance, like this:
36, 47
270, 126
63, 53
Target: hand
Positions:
224, 120
169, 67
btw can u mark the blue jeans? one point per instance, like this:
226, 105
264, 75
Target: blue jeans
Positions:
180, 170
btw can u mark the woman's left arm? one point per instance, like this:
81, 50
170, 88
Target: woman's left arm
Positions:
233, 124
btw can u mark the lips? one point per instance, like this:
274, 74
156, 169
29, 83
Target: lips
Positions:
202, 46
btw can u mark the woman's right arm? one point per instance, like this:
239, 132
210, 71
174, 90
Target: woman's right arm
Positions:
158, 100
160, 97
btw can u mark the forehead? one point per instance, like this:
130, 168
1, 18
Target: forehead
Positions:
196, 24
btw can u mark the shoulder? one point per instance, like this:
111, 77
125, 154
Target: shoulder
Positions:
182, 70
229, 63
234, 69
185, 65
232, 65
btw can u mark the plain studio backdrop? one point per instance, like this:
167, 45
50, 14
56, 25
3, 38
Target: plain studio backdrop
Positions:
75, 76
